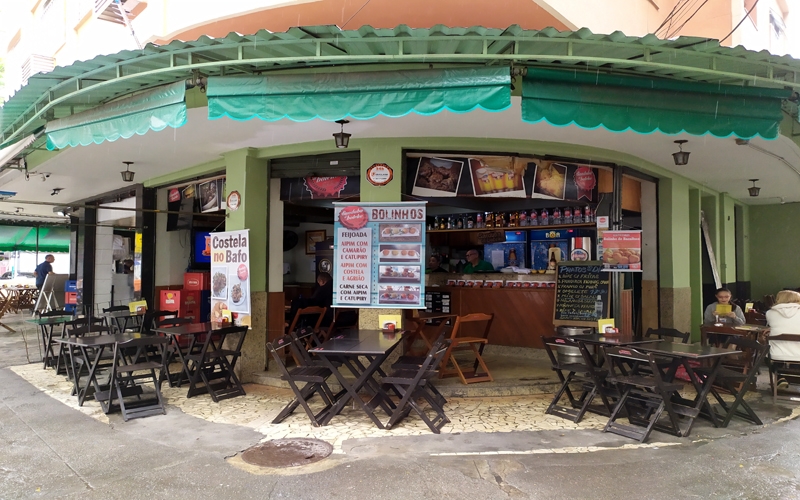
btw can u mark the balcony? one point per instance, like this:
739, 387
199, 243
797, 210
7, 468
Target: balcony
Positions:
109, 10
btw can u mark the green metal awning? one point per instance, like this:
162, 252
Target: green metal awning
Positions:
333, 96
645, 105
154, 109
51, 239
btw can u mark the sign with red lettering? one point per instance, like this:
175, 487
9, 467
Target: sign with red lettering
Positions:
622, 251
379, 255
230, 277
379, 174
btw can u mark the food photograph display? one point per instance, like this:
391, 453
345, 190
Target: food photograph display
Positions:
437, 177
230, 277
379, 252
497, 176
622, 251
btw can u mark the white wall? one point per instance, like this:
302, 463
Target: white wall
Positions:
301, 264
173, 248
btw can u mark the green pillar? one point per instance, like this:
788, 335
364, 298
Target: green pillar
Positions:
674, 255
249, 175
727, 241
695, 263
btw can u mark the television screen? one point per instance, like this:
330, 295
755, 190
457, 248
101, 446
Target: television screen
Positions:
202, 247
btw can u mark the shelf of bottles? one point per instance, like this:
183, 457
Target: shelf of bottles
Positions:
510, 221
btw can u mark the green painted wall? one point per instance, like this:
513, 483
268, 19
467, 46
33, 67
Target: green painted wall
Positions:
727, 238
695, 262
742, 242
774, 248
390, 152
673, 232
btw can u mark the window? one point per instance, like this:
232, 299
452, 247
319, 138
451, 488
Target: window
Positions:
776, 25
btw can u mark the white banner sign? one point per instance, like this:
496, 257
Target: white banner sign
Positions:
353, 265
230, 277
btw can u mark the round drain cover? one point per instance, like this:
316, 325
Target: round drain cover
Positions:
287, 452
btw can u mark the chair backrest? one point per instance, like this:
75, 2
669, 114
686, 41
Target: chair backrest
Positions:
170, 322
753, 317
671, 333
151, 316
220, 334
769, 301
553, 343
278, 348
626, 359
308, 311
115, 309
54, 313
754, 351
81, 329
472, 318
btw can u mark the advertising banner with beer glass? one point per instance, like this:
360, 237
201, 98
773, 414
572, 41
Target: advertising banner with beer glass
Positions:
378, 255
230, 277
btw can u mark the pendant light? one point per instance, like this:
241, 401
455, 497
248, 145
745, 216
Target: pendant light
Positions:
681, 157
342, 139
754, 190
127, 175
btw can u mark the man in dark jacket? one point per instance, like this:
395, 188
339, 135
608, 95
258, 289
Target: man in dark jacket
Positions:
43, 269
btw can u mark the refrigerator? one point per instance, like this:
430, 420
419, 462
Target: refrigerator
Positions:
543, 241
508, 253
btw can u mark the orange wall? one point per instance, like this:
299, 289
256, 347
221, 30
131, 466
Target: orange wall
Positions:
382, 14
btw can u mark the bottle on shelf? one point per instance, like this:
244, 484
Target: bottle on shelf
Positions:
523, 218
513, 217
588, 214
489, 221
577, 215
479, 220
533, 220
470, 222
442, 223
557, 216
544, 218
459, 222
500, 219
450, 222
567, 215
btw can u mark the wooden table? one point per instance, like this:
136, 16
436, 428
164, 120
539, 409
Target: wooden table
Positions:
120, 319
191, 331
418, 333
47, 327
347, 348
682, 355
8, 296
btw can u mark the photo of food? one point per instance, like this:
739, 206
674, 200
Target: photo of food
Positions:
497, 176
437, 177
401, 253
209, 199
622, 250
237, 294
550, 180
219, 284
216, 310
400, 232
620, 257
394, 294
399, 273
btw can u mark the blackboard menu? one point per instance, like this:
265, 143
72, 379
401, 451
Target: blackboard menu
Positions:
581, 293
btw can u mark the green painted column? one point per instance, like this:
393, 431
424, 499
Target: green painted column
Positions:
695, 263
390, 152
249, 175
674, 254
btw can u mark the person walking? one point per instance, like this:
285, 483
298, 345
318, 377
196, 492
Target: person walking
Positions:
43, 269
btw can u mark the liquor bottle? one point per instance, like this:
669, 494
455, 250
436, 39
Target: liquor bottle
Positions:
479, 220
471, 221
523, 218
459, 222
567, 215
450, 222
489, 221
577, 215
442, 223
544, 218
513, 217
598, 307
557, 216
588, 215
512, 257
500, 219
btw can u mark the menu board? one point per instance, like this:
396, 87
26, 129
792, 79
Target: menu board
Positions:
379, 251
230, 277
582, 293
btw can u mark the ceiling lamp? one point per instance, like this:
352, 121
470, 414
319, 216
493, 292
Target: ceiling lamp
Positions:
342, 139
754, 190
56, 191
127, 175
681, 157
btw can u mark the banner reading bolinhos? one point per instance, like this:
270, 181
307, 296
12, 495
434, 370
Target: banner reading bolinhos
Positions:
230, 276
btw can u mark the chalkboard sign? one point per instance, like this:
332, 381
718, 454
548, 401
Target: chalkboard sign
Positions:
578, 285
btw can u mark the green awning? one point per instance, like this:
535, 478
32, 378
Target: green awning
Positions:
51, 239
333, 96
154, 109
645, 105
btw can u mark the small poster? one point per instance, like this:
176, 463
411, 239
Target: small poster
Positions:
379, 251
438, 177
209, 196
622, 251
564, 181
497, 176
230, 277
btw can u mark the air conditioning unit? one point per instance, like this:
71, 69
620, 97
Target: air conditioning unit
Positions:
36, 63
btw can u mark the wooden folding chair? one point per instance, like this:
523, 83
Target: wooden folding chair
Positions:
473, 344
413, 385
214, 364
668, 334
314, 377
588, 374
780, 369
644, 396
737, 382
302, 318
130, 371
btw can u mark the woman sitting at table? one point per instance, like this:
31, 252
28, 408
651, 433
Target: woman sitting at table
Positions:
784, 318
715, 314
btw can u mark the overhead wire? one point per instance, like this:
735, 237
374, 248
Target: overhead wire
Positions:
668, 21
740, 22
679, 28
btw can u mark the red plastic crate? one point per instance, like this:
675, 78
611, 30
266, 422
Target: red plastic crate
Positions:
197, 281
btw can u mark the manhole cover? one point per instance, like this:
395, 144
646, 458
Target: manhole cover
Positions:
287, 452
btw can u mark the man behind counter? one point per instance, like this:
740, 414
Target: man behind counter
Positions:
475, 264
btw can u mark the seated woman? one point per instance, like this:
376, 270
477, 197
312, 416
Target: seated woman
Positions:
782, 318
733, 318
321, 297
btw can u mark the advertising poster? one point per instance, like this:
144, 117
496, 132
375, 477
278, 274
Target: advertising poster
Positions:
378, 255
137, 262
230, 276
622, 251
564, 181
438, 177
497, 176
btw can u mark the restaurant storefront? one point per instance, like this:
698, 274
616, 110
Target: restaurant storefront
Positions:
500, 133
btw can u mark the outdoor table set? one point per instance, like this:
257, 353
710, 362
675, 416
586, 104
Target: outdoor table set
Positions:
636, 378
361, 354
14, 299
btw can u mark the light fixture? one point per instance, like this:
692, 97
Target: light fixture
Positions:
754, 190
56, 191
127, 175
62, 211
18, 210
681, 157
342, 139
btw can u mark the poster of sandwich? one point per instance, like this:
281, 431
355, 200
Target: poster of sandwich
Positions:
230, 277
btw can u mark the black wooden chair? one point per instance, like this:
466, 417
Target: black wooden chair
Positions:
125, 323
151, 316
644, 396
313, 377
414, 385
736, 382
668, 334
134, 366
215, 363
186, 345
589, 375
48, 333
788, 371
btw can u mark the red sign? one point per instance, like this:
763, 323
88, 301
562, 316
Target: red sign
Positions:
353, 217
174, 195
325, 187
622, 250
585, 181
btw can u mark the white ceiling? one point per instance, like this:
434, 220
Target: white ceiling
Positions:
87, 171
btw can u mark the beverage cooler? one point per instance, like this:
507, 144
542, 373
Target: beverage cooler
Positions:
549, 246
508, 253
